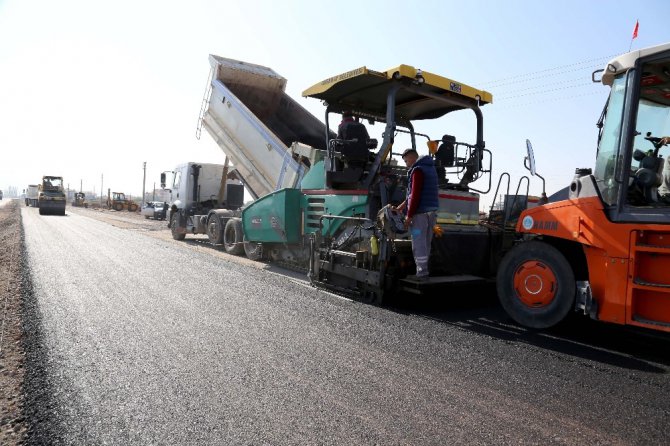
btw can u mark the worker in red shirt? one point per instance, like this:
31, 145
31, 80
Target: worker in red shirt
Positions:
421, 207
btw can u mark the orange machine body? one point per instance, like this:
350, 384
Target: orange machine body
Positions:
628, 264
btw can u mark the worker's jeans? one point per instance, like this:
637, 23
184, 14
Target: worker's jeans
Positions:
421, 232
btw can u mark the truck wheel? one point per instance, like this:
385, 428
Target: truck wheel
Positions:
132, 208
118, 207
174, 228
42, 211
233, 237
253, 250
214, 230
536, 285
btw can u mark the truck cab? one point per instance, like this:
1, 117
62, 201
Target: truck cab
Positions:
631, 171
196, 195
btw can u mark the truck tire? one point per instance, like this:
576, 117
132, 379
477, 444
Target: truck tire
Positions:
174, 226
253, 250
42, 211
118, 206
233, 237
132, 207
536, 285
214, 230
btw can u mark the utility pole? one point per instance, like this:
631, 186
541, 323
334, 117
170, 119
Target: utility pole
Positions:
144, 182
153, 195
102, 175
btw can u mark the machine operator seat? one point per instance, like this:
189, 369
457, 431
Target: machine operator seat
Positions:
444, 157
354, 146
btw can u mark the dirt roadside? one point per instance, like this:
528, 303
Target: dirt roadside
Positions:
158, 229
13, 425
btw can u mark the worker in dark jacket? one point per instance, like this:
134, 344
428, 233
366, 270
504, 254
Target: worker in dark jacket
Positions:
348, 122
421, 207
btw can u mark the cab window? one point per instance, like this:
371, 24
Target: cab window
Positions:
652, 122
608, 145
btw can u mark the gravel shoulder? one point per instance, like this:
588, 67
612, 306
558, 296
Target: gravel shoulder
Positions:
13, 426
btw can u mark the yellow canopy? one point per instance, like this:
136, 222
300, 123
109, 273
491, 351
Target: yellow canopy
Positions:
365, 92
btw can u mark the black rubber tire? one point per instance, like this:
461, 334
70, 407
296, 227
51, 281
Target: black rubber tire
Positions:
214, 230
541, 256
132, 208
42, 211
118, 206
253, 250
173, 228
233, 237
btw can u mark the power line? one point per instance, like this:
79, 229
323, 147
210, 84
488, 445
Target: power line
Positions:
545, 91
525, 78
556, 70
540, 89
545, 101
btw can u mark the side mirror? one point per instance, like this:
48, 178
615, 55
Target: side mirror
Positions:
163, 180
597, 76
529, 162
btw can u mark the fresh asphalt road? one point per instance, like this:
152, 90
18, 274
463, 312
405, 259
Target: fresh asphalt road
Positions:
140, 340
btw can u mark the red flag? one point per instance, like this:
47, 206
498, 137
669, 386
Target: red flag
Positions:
637, 25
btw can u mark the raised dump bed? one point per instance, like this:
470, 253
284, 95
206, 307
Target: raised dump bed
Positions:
257, 124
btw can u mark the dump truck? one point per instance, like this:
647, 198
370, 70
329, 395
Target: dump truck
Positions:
322, 202
51, 198
267, 137
605, 250
31, 195
119, 202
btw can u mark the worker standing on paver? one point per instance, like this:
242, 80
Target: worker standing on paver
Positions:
421, 205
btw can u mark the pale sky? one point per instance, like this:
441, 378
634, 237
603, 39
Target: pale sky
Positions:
91, 88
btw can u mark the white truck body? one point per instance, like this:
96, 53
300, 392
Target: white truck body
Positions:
261, 129
32, 195
182, 190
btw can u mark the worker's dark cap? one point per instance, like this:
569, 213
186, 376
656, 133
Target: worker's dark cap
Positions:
408, 151
347, 113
